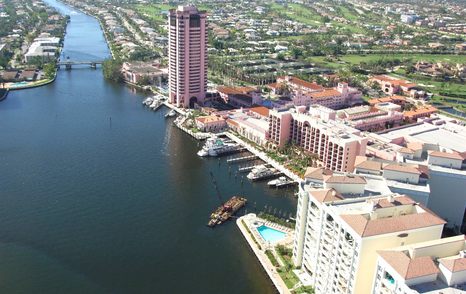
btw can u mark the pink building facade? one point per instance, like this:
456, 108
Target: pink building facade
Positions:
305, 93
187, 55
336, 145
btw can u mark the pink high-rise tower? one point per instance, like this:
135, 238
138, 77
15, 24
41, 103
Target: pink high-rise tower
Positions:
187, 56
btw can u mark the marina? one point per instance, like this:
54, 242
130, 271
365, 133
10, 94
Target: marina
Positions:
91, 207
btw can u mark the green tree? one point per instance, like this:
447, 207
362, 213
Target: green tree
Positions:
112, 70
49, 70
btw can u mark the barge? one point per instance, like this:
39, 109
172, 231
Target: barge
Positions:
226, 210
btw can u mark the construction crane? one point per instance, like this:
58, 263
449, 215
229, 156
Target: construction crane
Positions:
219, 196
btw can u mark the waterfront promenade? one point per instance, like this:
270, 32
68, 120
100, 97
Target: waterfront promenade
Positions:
262, 257
263, 156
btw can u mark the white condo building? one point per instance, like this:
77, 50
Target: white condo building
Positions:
337, 237
432, 267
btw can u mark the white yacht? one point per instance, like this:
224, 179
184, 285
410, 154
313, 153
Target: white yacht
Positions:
215, 147
148, 101
281, 181
261, 172
171, 113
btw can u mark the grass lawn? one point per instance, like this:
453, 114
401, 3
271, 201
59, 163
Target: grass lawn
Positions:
445, 88
347, 60
153, 11
299, 13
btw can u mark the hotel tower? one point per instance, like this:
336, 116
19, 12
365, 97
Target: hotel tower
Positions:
187, 56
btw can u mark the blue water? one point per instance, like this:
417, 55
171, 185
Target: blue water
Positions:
269, 234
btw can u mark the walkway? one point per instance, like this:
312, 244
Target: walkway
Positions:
262, 155
263, 259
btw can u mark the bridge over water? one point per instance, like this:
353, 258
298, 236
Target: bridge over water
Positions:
69, 63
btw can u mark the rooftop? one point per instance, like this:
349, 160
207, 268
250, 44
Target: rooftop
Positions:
371, 216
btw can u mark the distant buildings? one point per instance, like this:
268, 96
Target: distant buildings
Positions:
187, 56
338, 236
391, 86
409, 18
42, 49
336, 144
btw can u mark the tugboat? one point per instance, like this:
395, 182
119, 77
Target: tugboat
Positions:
226, 210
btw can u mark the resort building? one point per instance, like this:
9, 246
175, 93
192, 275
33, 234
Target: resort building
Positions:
437, 266
303, 93
210, 123
251, 123
187, 54
338, 236
240, 96
367, 118
336, 144
413, 115
391, 86
141, 72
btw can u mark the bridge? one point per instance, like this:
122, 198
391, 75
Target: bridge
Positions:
69, 63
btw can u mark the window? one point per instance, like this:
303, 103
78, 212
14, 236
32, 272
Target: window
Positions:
195, 21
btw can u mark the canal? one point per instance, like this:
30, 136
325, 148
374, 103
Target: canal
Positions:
100, 195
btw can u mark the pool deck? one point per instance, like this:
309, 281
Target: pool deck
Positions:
260, 252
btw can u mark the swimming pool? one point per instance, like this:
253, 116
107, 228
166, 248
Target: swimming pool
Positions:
270, 235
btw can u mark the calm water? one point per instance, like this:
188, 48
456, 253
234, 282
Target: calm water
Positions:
99, 195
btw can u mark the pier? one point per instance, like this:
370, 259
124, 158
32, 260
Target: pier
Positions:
264, 157
249, 168
241, 159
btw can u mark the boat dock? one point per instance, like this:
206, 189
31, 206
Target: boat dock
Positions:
241, 159
264, 157
245, 169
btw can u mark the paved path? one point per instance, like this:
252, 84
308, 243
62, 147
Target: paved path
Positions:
262, 155
264, 260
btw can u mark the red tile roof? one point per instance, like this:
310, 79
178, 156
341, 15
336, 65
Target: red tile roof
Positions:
448, 155
261, 110
454, 264
409, 268
366, 227
402, 168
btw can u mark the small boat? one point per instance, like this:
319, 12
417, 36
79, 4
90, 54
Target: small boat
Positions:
261, 172
277, 182
171, 113
280, 182
148, 101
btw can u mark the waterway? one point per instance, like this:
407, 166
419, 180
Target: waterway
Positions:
100, 195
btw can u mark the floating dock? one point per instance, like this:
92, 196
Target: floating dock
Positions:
241, 159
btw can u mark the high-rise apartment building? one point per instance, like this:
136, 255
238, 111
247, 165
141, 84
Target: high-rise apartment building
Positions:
187, 55
337, 237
